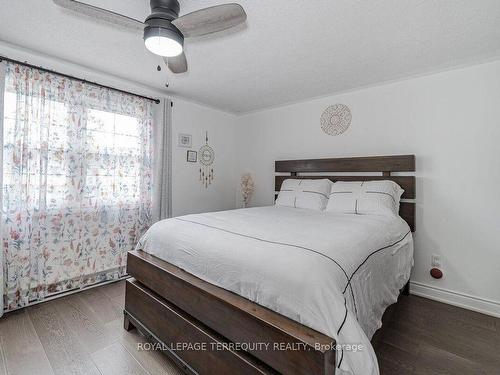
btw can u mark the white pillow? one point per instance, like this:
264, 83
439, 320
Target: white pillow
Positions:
312, 194
365, 197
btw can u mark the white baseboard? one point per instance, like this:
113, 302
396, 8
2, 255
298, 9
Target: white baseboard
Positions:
466, 301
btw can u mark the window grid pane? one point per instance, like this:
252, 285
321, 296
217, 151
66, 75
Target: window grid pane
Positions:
108, 160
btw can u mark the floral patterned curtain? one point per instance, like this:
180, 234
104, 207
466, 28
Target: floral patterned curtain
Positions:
77, 183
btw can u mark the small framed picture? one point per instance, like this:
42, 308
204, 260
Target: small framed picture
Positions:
192, 156
185, 140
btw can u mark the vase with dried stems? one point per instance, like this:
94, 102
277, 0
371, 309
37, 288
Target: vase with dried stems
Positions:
247, 188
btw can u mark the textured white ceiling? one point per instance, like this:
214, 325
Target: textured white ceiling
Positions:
290, 50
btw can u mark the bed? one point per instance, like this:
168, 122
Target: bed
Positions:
275, 289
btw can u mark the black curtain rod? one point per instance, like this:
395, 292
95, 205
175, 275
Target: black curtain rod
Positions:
3, 58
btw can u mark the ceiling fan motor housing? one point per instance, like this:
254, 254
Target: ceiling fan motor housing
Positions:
159, 22
169, 9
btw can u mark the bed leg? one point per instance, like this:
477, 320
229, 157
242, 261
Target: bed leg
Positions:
406, 289
127, 324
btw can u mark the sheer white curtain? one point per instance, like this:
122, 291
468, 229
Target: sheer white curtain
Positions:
77, 182
2, 263
162, 197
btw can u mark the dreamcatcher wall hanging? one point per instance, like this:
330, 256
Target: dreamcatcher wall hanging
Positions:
206, 157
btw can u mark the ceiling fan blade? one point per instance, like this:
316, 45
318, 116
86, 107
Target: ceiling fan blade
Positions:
101, 14
210, 20
177, 64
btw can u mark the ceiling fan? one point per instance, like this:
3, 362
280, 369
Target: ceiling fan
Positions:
164, 31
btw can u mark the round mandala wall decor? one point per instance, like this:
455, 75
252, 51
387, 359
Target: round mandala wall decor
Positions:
336, 119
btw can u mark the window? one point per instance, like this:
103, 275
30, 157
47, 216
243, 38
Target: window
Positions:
107, 145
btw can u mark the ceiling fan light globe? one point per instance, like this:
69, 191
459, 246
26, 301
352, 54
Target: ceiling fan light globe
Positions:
163, 46
163, 42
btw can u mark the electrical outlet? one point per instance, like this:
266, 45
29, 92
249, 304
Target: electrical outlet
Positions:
435, 261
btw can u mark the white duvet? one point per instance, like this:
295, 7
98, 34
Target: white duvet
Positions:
298, 262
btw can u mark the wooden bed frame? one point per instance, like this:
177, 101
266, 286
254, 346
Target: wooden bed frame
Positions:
197, 324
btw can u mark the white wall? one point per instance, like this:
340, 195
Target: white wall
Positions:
451, 122
188, 193
188, 117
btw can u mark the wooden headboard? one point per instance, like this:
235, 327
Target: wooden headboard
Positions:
382, 168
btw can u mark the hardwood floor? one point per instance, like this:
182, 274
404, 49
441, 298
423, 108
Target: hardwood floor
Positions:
420, 336
83, 334
78, 334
